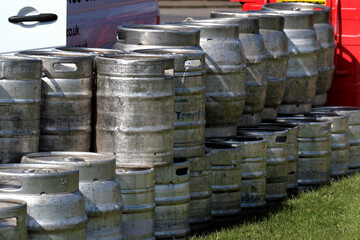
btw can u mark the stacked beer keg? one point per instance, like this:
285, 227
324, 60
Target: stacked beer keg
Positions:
184, 119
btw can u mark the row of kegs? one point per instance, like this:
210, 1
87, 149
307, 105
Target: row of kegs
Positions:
188, 112
68, 195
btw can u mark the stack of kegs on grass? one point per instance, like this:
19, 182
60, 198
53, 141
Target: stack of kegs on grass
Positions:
179, 126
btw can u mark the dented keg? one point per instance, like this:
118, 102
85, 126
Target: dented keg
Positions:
97, 184
302, 69
172, 199
200, 193
276, 160
339, 142
314, 150
66, 97
225, 82
325, 34
141, 36
135, 108
226, 178
354, 133
189, 107
292, 134
13, 219
138, 193
20, 94
55, 207
255, 73
276, 43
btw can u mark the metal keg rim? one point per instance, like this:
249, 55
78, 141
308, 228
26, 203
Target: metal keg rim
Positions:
133, 170
321, 12
247, 14
18, 204
307, 7
325, 114
194, 52
287, 13
16, 58
301, 119
13, 169
94, 51
209, 23
70, 158
337, 108
63, 55
262, 129
157, 28
220, 145
129, 58
239, 138
279, 124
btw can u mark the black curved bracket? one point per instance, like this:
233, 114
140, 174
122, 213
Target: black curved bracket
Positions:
43, 17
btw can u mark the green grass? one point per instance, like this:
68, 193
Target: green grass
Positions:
332, 212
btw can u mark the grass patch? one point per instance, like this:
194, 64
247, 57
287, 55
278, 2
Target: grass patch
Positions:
331, 212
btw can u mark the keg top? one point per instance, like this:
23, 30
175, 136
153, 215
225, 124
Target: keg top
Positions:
237, 139
91, 166
185, 60
321, 12
48, 54
223, 153
133, 170
219, 144
337, 108
296, 119
265, 129
61, 64
158, 35
38, 179
266, 21
275, 136
309, 127
339, 123
133, 64
294, 19
91, 51
353, 112
244, 25
212, 29
279, 124
20, 67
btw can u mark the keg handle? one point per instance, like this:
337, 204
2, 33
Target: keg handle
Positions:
169, 69
65, 66
281, 139
192, 64
181, 172
10, 184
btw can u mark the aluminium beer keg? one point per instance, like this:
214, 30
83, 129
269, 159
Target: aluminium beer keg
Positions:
325, 34
20, 96
97, 184
135, 109
13, 219
66, 97
302, 69
271, 28
55, 206
189, 106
